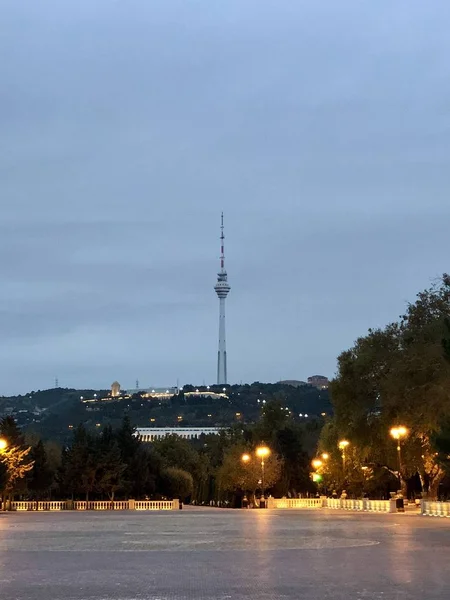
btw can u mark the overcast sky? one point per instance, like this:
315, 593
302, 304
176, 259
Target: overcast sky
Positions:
321, 129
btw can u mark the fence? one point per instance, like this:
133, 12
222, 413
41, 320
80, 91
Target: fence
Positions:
57, 505
435, 509
295, 503
358, 505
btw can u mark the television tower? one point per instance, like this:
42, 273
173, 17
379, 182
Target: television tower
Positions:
222, 288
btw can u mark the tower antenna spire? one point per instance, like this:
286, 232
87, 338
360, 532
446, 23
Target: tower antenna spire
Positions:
222, 246
222, 288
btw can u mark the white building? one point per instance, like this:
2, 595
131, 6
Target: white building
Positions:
164, 393
150, 434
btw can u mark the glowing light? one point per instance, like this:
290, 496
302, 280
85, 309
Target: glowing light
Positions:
262, 451
3, 444
399, 432
316, 463
325, 456
245, 458
317, 477
343, 444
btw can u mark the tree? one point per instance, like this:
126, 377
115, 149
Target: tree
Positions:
40, 477
110, 467
179, 453
236, 476
18, 464
80, 464
11, 432
285, 438
177, 483
15, 458
398, 375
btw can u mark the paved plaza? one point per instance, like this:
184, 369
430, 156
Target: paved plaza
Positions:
218, 554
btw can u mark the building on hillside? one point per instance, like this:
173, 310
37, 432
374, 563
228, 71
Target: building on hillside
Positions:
319, 381
163, 393
207, 394
150, 434
115, 389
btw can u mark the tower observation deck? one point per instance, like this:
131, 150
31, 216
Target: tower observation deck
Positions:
222, 288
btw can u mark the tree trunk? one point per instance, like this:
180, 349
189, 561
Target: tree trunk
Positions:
433, 487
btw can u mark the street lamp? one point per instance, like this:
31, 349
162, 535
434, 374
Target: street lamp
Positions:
317, 463
262, 452
245, 458
325, 456
342, 446
398, 433
3, 444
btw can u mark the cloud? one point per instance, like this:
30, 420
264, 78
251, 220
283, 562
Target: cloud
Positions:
320, 129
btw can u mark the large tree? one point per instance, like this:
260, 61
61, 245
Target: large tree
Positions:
235, 475
399, 375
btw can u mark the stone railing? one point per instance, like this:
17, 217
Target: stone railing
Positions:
435, 509
294, 503
347, 504
57, 505
360, 505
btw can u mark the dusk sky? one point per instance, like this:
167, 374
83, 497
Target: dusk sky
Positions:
321, 129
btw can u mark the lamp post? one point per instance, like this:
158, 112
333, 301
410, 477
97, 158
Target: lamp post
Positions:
342, 446
262, 452
3, 446
398, 433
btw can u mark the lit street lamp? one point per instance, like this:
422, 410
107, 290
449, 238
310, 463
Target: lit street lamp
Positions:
342, 446
3, 444
317, 463
262, 452
245, 458
398, 433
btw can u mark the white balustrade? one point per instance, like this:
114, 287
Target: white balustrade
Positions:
435, 509
153, 505
295, 503
58, 505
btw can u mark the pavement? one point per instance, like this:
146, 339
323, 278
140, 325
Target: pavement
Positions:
214, 554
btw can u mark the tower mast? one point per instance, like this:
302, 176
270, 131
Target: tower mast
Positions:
222, 288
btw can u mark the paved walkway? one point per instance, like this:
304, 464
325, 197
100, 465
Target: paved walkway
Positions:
223, 555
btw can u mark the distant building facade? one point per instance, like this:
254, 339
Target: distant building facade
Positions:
151, 434
158, 393
319, 381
